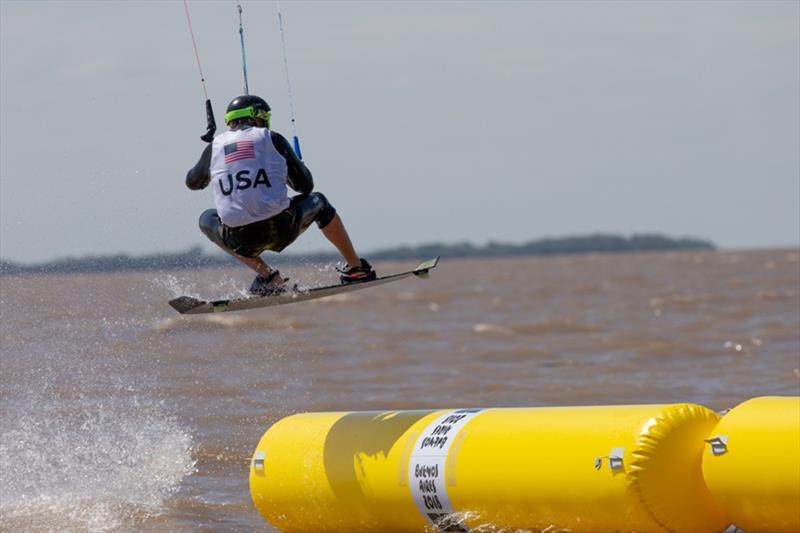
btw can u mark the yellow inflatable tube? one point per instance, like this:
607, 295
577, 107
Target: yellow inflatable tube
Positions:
752, 466
579, 468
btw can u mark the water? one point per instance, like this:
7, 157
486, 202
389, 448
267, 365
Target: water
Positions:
119, 415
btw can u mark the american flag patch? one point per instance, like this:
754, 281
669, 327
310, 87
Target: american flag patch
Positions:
238, 151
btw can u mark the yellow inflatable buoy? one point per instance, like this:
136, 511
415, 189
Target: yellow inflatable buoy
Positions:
752, 465
615, 468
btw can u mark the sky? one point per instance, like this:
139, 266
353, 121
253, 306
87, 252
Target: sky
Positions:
421, 121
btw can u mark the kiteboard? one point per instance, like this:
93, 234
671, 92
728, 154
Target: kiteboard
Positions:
186, 305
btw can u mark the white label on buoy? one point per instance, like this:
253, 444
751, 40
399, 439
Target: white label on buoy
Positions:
426, 476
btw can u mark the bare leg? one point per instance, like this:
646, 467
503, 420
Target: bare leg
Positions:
338, 236
256, 263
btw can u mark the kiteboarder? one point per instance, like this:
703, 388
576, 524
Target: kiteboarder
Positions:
249, 168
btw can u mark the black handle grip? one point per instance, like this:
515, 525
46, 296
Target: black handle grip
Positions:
212, 124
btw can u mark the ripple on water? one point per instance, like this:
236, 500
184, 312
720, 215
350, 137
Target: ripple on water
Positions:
228, 321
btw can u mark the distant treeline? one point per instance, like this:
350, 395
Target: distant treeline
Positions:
196, 258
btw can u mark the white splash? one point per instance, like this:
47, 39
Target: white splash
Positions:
95, 468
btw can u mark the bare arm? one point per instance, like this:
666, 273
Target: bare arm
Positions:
199, 175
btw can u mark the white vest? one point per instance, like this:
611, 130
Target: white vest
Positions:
248, 177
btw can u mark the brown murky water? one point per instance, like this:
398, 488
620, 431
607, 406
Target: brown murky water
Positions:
118, 414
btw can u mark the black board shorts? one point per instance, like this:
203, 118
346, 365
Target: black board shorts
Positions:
278, 232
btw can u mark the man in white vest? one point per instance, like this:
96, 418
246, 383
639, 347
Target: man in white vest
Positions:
250, 169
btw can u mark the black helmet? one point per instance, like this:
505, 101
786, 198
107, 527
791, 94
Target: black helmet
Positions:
247, 106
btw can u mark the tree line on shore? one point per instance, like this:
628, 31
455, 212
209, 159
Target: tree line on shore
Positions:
196, 258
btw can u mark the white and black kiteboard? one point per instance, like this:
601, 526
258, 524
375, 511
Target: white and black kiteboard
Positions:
186, 305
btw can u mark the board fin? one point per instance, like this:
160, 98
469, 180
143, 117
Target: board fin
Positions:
423, 269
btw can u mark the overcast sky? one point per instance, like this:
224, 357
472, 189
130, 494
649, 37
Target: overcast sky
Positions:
421, 121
